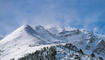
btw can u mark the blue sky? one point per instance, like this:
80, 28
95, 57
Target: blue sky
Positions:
87, 14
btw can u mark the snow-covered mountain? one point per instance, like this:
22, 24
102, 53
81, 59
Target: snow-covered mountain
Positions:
26, 40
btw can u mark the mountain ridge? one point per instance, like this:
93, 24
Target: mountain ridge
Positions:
27, 38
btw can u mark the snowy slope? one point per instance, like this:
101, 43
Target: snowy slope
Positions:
45, 34
27, 39
100, 48
19, 40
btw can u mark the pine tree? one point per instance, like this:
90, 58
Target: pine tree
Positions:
100, 58
81, 51
92, 55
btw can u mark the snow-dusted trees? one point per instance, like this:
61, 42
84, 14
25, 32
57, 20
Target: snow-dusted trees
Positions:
60, 52
43, 54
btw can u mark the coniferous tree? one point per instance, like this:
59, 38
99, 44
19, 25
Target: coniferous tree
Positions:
81, 51
92, 55
100, 58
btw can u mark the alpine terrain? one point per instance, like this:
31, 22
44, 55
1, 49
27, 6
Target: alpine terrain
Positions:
54, 43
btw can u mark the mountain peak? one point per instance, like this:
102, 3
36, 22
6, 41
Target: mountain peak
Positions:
26, 28
101, 43
39, 27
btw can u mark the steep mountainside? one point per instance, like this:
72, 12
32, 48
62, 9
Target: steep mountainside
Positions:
26, 40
